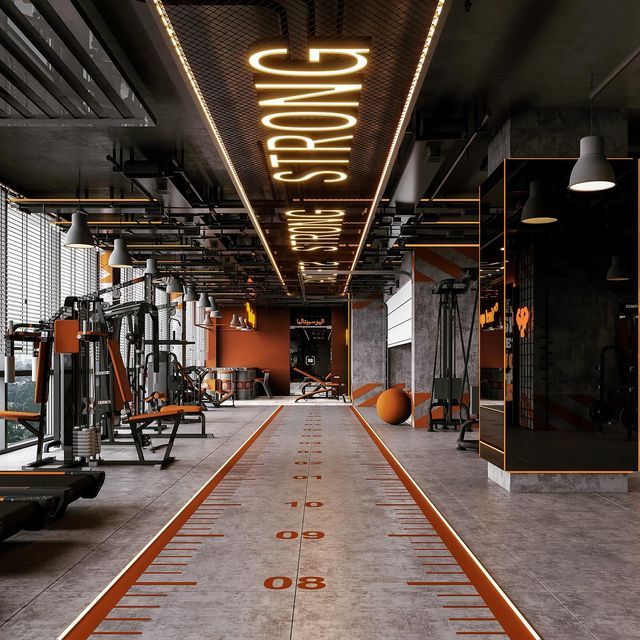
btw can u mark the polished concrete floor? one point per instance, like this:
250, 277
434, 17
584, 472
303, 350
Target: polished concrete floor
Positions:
569, 562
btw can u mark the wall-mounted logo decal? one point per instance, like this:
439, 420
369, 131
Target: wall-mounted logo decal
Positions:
522, 320
251, 315
489, 316
310, 109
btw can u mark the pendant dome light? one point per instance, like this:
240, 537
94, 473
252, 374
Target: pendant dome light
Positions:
215, 312
191, 296
152, 267
617, 271
235, 322
203, 301
120, 256
537, 209
592, 171
245, 325
207, 321
79, 235
175, 286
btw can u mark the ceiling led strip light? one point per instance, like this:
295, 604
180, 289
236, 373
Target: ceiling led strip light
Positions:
406, 112
166, 22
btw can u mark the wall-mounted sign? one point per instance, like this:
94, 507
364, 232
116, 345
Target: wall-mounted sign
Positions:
310, 109
522, 320
488, 317
304, 322
306, 317
251, 315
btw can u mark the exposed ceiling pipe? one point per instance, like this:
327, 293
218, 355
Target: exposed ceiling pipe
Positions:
597, 90
470, 141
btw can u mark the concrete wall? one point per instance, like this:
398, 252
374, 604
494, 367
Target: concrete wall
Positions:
429, 267
399, 366
556, 133
368, 344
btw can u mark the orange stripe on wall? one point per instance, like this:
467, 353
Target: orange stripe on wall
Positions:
437, 260
420, 398
473, 253
365, 388
370, 402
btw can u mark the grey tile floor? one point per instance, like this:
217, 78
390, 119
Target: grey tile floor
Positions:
568, 561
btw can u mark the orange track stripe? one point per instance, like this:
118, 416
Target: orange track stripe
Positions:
510, 618
85, 625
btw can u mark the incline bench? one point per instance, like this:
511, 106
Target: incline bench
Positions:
137, 423
331, 389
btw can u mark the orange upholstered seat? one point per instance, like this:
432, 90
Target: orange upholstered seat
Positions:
154, 415
186, 408
17, 415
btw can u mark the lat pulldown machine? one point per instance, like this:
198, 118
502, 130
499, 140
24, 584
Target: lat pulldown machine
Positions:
448, 388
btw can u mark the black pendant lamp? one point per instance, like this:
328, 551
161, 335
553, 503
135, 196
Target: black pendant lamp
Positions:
537, 209
617, 271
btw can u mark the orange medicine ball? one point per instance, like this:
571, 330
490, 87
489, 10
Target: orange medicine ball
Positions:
394, 406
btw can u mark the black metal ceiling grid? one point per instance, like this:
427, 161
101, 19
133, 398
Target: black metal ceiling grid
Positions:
217, 37
217, 40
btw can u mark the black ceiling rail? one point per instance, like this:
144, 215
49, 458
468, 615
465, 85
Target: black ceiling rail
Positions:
15, 104
21, 56
12, 77
70, 41
36, 40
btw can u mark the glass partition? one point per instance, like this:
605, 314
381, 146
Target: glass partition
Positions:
570, 300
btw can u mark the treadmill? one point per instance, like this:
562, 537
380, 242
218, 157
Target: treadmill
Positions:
24, 512
62, 486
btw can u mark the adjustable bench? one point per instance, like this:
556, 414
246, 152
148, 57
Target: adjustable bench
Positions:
330, 389
137, 423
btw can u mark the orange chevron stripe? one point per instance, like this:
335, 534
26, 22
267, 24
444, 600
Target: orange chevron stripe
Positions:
365, 388
437, 260
473, 253
370, 402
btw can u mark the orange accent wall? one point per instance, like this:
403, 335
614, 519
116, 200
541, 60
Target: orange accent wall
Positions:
492, 349
266, 348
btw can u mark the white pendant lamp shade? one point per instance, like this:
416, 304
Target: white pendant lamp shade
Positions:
152, 267
215, 312
79, 235
617, 271
245, 325
203, 301
207, 321
191, 296
537, 209
235, 322
175, 286
120, 256
592, 171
